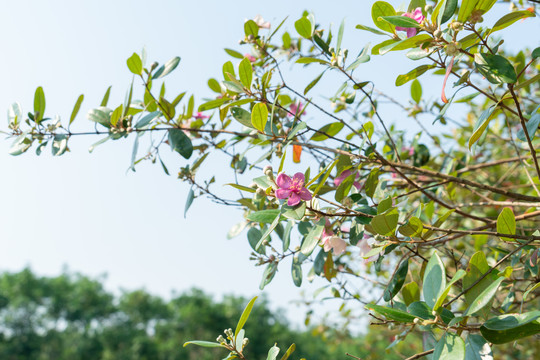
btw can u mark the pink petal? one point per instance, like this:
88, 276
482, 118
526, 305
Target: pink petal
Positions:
283, 181
326, 244
305, 194
411, 32
294, 199
357, 185
339, 245
299, 177
341, 177
283, 193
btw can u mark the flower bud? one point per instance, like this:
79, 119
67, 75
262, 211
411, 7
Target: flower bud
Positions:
428, 9
416, 320
245, 342
456, 26
220, 339
437, 34
476, 16
260, 193
452, 49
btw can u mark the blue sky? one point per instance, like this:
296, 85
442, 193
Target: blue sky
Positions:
84, 211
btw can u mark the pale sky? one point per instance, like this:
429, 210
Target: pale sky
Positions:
84, 211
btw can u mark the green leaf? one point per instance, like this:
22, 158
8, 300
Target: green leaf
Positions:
245, 71
251, 28
134, 64
411, 42
294, 212
485, 5
147, 119
263, 216
39, 104
412, 228
273, 353
466, 9
359, 60
167, 68
535, 53
511, 18
391, 313
105, 99
476, 268
101, 115
511, 327
410, 293
76, 108
413, 74
309, 60
506, 223
244, 316
416, 91
385, 224
448, 11
397, 281
242, 116
59, 145
532, 126
296, 272
402, 21
481, 125
370, 29
259, 116
484, 298
331, 129
304, 27
477, 348
313, 83
495, 68
340, 36
434, 280
116, 114
189, 201
421, 310
180, 143
457, 276
234, 53
268, 274
311, 240
450, 347
290, 350
379, 9
212, 104
206, 344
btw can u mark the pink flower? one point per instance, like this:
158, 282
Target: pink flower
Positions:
345, 174
261, 23
365, 248
250, 57
409, 150
200, 115
336, 243
415, 15
296, 109
292, 189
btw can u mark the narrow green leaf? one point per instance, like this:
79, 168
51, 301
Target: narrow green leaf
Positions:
370, 29
313, 83
413, 74
510, 327
466, 9
212, 104
331, 129
76, 108
290, 350
244, 316
511, 18
263, 216
273, 353
234, 53
105, 100
167, 68
206, 344
189, 201
397, 281
392, 313
401, 21
39, 104
311, 240
457, 276
481, 125
416, 91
